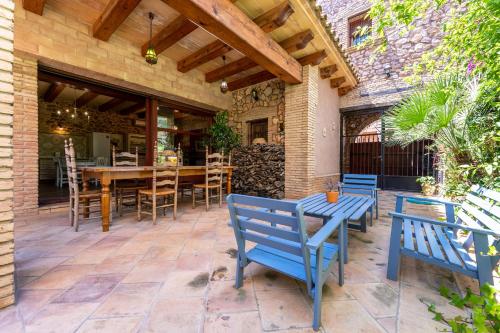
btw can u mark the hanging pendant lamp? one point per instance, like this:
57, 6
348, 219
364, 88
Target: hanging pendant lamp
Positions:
151, 57
223, 83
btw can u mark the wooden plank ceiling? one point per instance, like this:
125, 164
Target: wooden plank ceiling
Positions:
261, 40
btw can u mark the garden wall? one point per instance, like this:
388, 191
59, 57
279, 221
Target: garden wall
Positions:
260, 170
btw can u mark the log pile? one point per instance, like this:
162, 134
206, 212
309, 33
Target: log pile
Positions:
260, 170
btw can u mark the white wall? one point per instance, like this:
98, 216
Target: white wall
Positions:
327, 131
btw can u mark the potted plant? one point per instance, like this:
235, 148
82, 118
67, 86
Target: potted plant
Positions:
223, 136
332, 190
428, 184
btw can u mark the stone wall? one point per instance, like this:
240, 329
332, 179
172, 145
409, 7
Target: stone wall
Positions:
270, 105
261, 170
375, 87
6, 152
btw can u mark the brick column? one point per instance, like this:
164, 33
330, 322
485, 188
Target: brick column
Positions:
25, 136
301, 105
6, 152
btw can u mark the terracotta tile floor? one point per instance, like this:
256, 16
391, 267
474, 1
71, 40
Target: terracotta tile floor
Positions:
178, 277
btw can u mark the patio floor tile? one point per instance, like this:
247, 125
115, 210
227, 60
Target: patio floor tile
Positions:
176, 315
223, 297
378, 298
60, 318
90, 289
348, 316
61, 277
111, 325
232, 322
131, 299
185, 284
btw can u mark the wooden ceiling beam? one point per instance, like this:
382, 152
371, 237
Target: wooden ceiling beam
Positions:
344, 90
250, 80
112, 17
136, 108
292, 44
85, 98
112, 103
268, 22
53, 91
328, 71
34, 6
337, 82
171, 34
229, 24
99, 89
313, 59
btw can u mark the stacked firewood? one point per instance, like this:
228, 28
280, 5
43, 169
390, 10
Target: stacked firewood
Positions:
260, 170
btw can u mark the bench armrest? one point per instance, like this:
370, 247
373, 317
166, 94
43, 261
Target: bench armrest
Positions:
322, 234
444, 224
441, 201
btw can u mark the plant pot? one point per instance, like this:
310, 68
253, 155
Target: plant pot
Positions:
428, 189
332, 196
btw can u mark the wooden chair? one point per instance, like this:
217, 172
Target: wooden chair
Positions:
164, 185
361, 184
126, 192
437, 242
213, 178
283, 244
88, 201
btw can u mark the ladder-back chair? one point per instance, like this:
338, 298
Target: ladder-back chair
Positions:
126, 192
89, 201
213, 178
164, 186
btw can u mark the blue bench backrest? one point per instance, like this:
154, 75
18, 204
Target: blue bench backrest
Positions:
480, 209
273, 223
362, 184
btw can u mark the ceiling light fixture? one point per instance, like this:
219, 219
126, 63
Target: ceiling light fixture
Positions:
151, 57
223, 83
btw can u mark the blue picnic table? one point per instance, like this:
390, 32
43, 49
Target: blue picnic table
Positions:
352, 208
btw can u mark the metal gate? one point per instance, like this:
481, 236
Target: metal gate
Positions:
397, 167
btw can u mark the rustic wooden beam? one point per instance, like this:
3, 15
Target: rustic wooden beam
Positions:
113, 15
250, 80
313, 59
229, 24
85, 98
136, 108
337, 82
34, 6
268, 22
327, 71
171, 34
53, 91
112, 103
292, 44
344, 90
81, 84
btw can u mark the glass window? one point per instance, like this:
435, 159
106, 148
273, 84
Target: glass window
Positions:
358, 28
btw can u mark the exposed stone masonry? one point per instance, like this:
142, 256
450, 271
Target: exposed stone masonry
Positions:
270, 105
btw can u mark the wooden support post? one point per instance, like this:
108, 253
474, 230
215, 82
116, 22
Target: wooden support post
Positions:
151, 128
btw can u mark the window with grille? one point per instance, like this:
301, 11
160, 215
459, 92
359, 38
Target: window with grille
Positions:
357, 32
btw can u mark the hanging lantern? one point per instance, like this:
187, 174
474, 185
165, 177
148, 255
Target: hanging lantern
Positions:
151, 57
223, 83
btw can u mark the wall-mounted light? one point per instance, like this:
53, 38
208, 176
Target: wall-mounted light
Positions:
151, 57
387, 70
223, 83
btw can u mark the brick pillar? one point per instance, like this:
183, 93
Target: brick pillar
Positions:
301, 105
6, 152
25, 136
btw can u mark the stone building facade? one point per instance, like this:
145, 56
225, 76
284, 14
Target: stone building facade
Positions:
382, 75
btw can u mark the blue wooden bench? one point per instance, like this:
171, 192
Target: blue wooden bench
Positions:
437, 242
278, 229
360, 184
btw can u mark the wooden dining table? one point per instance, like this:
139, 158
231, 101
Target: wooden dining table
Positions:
106, 174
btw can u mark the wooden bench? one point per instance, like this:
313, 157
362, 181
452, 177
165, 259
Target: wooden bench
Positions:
438, 243
361, 184
278, 229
